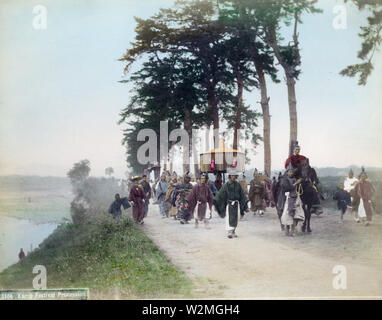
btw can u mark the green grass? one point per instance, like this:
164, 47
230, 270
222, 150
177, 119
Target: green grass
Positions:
114, 254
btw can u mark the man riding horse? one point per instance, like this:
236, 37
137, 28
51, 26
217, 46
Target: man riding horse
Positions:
305, 181
295, 160
300, 165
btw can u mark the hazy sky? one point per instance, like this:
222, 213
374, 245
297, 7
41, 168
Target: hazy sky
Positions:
60, 97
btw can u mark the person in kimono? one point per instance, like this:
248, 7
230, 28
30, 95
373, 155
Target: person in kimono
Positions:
218, 181
137, 196
274, 190
147, 190
194, 182
160, 194
212, 186
343, 200
115, 207
276, 187
268, 195
289, 189
257, 193
230, 202
21, 254
244, 184
154, 189
181, 192
350, 187
198, 199
169, 208
365, 191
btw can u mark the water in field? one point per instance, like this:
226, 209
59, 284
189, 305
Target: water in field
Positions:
30, 210
20, 233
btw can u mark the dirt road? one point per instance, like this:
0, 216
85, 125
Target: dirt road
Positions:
263, 263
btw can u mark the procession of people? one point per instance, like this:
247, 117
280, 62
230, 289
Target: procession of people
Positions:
190, 198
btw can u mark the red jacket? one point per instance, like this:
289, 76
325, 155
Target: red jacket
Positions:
295, 160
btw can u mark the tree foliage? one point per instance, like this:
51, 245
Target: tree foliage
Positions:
79, 173
371, 36
193, 68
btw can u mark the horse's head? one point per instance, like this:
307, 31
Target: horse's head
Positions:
308, 174
305, 169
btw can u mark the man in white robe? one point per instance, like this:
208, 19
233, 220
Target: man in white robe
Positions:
349, 186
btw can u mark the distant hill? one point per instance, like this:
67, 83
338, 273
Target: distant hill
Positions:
19, 183
335, 172
329, 171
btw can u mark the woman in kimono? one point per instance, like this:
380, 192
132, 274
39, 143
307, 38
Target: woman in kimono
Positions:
198, 198
137, 196
230, 201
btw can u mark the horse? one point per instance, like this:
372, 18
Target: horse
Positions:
306, 190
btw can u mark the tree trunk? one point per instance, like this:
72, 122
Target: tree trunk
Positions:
207, 137
171, 165
171, 157
266, 119
237, 125
291, 82
213, 108
292, 111
196, 158
187, 127
292, 102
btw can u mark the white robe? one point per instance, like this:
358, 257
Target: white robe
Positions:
349, 184
208, 212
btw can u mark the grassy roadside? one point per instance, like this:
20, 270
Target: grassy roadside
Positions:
104, 257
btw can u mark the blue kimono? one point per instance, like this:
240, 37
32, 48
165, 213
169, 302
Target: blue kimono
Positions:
343, 200
115, 207
160, 193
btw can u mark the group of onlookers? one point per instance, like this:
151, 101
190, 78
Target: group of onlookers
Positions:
356, 194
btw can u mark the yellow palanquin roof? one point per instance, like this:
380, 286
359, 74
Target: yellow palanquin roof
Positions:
222, 148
